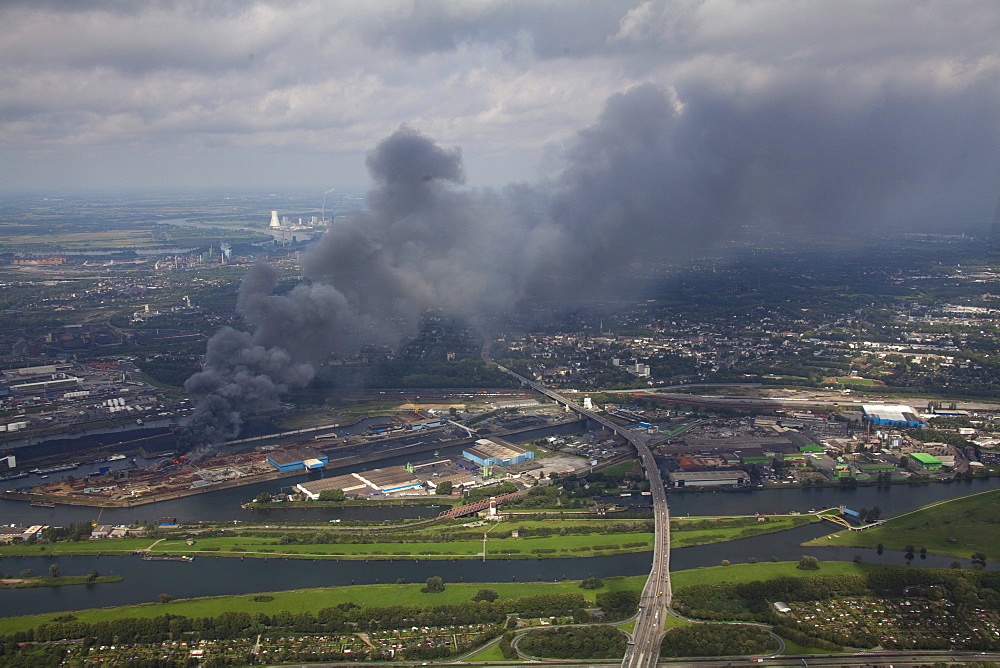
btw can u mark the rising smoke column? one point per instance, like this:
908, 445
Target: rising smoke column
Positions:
419, 244
659, 174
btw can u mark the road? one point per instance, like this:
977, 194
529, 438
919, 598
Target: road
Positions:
654, 602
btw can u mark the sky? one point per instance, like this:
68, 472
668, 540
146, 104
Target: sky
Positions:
177, 95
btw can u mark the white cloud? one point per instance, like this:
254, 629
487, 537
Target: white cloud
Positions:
501, 79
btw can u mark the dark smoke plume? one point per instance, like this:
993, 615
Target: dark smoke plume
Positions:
658, 174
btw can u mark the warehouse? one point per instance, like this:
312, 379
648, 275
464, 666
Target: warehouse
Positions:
350, 485
487, 452
708, 479
44, 386
292, 459
390, 479
893, 416
929, 462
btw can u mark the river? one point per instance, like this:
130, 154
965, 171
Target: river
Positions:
210, 576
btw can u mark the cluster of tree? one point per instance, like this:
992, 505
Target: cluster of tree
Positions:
551, 497
935, 436
435, 585
589, 642
167, 369
717, 640
482, 493
618, 604
489, 595
808, 563
74, 531
870, 514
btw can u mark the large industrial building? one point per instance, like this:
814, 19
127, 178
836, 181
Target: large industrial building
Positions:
494, 452
708, 478
292, 459
348, 484
891, 416
929, 462
378, 481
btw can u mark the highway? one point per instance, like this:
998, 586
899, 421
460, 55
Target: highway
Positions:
654, 603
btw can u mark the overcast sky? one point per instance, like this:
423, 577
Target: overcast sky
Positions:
259, 94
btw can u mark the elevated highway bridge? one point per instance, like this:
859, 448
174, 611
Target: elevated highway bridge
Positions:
654, 603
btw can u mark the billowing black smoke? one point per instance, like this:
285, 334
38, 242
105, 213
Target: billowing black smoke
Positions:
655, 176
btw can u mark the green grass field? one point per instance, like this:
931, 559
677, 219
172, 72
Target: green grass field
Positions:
302, 600
27, 583
427, 545
684, 537
970, 520
867, 382
491, 653
765, 570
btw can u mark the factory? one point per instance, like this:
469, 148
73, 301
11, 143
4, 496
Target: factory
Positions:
349, 484
292, 459
366, 483
494, 452
929, 462
708, 479
894, 416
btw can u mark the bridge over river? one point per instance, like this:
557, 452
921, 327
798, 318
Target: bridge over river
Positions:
654, 603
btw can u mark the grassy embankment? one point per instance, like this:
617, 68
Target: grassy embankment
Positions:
302, 600
23, 583
357, 503
969, 521
426, 543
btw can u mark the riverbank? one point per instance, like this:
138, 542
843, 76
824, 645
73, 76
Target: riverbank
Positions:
953, 528
315, 599
135, 502
514, 539
422, 501
29, 582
